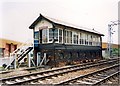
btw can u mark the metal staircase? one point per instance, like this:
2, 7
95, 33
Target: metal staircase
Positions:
24, 52
18, 55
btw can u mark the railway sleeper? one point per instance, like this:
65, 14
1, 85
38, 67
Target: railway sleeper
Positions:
40, 82
33, 77
28, 78
33, 83
40, 75
54, 77
90, 80
18, 80
83, 82
9, 82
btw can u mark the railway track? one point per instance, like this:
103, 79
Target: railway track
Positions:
28, 78
96, 77
111, 79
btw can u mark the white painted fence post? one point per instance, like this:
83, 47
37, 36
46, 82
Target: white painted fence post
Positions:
45, 58
29, 60
15, 62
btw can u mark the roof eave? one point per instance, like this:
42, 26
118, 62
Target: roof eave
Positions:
78, 29
37, 20
41, 16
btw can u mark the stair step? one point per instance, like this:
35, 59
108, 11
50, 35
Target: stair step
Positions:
25, 50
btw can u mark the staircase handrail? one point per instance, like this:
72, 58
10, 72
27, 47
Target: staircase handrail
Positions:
10, 62
23, 44
14, 53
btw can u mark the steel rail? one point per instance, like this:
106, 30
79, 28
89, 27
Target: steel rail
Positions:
59, 73
106, 78
57, 69
82, 76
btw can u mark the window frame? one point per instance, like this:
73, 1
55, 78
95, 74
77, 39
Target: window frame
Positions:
60, 36
54, 35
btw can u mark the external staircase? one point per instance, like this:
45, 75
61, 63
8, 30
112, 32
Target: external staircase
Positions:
18, 55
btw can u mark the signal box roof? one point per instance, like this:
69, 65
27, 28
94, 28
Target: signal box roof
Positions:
62, 23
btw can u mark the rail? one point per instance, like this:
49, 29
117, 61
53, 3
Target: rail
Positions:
59, 71
86, 75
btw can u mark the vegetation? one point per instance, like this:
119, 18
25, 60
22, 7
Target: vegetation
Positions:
1, 68
115, 51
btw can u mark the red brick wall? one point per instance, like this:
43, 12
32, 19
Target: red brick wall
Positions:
9, 48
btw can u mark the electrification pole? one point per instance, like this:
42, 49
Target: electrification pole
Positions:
110, 32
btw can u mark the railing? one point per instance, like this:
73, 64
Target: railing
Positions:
23, 44
23, 49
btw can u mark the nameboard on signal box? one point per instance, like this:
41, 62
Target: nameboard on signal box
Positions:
43, 27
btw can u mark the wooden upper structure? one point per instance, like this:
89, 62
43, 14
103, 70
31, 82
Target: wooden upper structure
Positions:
62, 23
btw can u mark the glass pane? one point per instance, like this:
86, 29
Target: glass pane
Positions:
50, 30
51, 34
44, 35
36, 35
77, 39
60, 32
60, 36
56, 34
56, 31
60, 39
65, 37
70, 37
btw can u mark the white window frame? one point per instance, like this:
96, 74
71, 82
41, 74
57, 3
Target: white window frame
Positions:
66, 42
58, 35
75, 33
47, 37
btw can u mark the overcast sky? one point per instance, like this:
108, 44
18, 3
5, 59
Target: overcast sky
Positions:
17, 15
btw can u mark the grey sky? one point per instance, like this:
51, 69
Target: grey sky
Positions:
17, 15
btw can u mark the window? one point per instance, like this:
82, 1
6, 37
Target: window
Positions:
71, 37
44, 35
51, 35
98, 41
56, 34
68, 39
90, 39
81, 39
75, 38
94, 40
65, 35
36, 35
36, 38
86, 39
68, 36
60, 35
